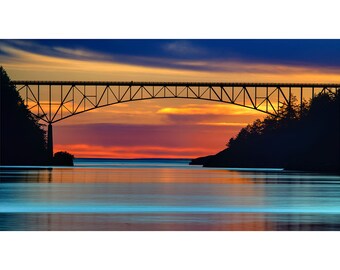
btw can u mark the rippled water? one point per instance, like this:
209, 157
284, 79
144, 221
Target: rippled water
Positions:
165, 195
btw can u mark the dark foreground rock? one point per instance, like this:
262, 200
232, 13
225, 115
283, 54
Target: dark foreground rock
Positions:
63, 159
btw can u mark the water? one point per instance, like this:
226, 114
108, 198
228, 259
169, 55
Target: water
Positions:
165, 195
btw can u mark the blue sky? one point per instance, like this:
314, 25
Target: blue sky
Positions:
166, 53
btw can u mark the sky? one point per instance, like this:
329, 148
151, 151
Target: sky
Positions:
164, 128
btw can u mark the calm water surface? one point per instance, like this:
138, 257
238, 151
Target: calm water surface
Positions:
165, 195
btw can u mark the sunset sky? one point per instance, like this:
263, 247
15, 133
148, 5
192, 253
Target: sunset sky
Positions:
164, 128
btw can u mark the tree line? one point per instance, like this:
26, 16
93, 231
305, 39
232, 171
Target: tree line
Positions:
299, 138
22, 137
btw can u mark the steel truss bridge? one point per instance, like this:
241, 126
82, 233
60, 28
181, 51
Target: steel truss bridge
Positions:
53, 101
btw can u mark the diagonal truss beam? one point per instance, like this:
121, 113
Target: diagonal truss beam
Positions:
49, 101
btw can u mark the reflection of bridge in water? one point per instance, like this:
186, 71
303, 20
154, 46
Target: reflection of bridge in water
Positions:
53, 101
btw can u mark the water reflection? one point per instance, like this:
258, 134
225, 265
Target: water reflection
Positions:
166, 195
170, 222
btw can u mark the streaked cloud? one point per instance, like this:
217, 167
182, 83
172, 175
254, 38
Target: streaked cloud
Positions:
183, 48
98, 151
80, 53
207, 109
234, 66
61, 63
227, 124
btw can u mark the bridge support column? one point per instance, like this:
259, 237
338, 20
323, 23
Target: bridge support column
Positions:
50, 143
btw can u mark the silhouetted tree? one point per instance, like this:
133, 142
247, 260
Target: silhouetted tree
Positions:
22, 138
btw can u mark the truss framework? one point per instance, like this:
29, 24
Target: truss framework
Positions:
53, 101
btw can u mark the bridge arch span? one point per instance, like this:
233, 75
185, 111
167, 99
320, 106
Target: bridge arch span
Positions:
155, 98
54, 101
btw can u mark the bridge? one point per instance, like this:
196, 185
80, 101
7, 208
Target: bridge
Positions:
54, 101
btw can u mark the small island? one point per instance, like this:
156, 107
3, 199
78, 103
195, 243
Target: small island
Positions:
302, 138
63, 158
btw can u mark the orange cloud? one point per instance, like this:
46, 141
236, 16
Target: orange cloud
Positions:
222, 124
211, 109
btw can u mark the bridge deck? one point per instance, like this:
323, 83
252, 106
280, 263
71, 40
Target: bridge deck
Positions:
137, 83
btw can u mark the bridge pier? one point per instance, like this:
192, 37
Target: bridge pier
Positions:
50, 143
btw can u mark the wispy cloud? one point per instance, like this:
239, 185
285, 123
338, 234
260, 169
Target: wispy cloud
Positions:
227, 124
182, 48
207, 109
236, 66
81, 53
223, 115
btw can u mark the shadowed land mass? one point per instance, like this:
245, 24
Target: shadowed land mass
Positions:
304, 138
22, 138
